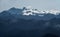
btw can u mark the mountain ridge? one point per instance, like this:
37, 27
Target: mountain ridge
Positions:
29, 14
14, 24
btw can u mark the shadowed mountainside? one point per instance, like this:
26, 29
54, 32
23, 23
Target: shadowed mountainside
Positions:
13, 24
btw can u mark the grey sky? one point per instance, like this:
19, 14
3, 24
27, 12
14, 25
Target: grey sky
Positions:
38, 4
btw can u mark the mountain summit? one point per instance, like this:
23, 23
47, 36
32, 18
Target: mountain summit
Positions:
27, 22
30, 13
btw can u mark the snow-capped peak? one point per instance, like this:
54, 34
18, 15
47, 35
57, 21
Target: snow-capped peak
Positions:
30, 11
54, 11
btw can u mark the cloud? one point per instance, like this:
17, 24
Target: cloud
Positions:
39, 4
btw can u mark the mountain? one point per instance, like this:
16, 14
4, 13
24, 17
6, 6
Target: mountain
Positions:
28, 22
28, 13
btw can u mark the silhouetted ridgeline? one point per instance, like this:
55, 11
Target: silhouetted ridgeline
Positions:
13, 24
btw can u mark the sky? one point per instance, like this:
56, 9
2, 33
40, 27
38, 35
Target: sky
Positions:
37, 4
